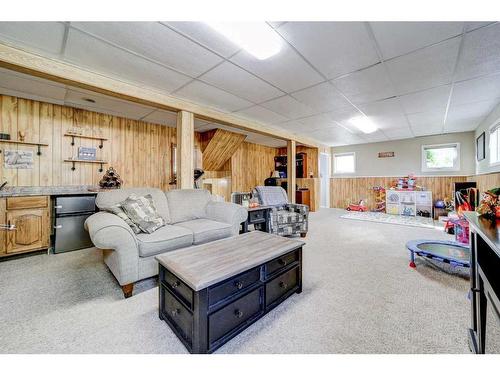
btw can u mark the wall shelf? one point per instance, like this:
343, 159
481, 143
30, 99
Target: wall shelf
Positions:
38, 145
74, 161
73, 136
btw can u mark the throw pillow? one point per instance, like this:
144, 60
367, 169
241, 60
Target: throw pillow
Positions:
118, 211
142, 211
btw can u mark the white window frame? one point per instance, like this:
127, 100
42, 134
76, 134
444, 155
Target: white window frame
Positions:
493, 128
456, 167
343, 154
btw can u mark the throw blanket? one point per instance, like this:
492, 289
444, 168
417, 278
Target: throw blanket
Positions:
272, 195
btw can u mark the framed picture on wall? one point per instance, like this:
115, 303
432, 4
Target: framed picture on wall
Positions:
480, 147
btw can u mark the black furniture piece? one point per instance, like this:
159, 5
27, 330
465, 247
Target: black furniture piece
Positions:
259, 217
207, 308
485, 277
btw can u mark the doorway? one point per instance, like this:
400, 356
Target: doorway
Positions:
324, 174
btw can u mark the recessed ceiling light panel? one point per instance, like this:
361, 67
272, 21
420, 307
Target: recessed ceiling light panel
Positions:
364, 124
257, 38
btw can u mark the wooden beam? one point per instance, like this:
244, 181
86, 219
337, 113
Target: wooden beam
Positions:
68, 74
185, 150
291, 150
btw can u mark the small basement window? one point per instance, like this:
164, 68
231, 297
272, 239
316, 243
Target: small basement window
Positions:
443, 157
495, 144
344, 163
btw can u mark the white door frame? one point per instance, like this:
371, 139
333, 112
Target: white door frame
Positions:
329, 155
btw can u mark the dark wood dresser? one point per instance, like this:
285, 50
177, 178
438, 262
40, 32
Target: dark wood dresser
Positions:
485, 277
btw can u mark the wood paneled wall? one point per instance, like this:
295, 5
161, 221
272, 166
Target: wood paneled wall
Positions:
138, 150
250, 165
486, 181
343, 190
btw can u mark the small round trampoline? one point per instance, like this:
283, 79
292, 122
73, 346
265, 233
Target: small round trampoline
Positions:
450, 252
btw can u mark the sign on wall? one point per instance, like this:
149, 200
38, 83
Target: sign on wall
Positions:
386, 154
18, 159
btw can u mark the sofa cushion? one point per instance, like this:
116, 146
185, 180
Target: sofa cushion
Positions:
166, 238
110, 198
118, 211
205, 230
142, 211
187, 204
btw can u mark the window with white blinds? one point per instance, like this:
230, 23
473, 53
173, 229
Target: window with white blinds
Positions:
344, 163
495, 144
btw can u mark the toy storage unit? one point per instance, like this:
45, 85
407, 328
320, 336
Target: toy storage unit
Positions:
409, 202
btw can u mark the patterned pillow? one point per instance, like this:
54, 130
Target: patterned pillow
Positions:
142, 212
118, 211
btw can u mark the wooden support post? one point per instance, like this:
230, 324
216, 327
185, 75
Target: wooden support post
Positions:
291, 150
185, 150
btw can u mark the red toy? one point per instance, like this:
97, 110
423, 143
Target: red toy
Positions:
357, 207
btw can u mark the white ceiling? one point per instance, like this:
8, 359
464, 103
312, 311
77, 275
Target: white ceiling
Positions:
411, 78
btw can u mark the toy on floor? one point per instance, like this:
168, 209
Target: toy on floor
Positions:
361, 206
379, 198
453, 253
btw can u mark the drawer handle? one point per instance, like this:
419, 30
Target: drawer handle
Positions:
175, 312
238, 284
282, 262
283, 285
238, 313
176, 284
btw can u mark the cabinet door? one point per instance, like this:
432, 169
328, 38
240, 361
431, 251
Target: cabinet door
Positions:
31, 230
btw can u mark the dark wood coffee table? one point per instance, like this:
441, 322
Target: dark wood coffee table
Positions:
210, 293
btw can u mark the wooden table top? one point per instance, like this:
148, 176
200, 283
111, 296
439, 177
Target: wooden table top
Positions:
204, 265
488, 229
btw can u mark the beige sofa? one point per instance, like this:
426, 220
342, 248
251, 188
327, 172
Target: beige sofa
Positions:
192, 218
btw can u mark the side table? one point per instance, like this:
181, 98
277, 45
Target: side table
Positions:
259, 216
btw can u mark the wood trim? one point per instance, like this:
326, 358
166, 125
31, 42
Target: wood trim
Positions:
185, 150
291, 170
58, 71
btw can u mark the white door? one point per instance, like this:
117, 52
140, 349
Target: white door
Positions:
324, 174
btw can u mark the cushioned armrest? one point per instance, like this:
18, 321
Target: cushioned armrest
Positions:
108, 231
230, 213
298, 207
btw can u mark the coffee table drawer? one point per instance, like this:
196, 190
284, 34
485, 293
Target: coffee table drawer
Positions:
277, 264
178, 287
232, 286
234, 315
281, 285
178, 315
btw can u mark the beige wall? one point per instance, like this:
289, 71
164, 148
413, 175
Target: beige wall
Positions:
483, 166
408, 156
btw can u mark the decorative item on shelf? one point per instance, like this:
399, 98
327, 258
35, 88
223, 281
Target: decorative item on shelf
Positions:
489, 205
21, 135
111, 180
18, 159
87, 153
5, 136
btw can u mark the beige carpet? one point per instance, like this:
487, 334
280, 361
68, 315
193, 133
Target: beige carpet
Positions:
359, 296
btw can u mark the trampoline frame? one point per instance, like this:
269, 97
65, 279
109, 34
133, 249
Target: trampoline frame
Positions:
412, 246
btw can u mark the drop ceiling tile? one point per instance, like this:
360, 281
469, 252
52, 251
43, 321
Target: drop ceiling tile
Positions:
462, 124
398, 38
470, 26
107, 104
366, 85
206, 36
478, 89
24, 84
470, 110
426, 119
429, 130
336, 136
288, 107
157, 42
286, 70
162, 117
377, 136
38, 36
202, 93
425, 68
481, 53
334, 48
261, 114
430, 100
232, 78
385, 113
399, 133
317, 122
292, 126
276, 24
93, 54
323, 97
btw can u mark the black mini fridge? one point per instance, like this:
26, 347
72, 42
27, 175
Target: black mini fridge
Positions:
70, 213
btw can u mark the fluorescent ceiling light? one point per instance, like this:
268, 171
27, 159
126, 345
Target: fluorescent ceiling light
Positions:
257, 38
364, 124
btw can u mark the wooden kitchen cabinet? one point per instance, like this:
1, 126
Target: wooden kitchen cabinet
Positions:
30, 221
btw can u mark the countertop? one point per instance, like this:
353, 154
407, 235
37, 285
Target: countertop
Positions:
21, 191
488, 229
